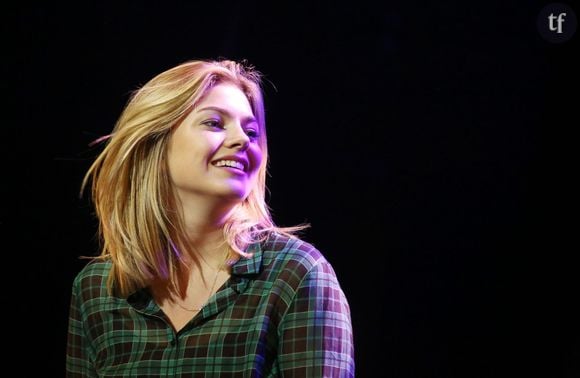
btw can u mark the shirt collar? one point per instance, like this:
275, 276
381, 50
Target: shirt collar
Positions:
251, 265
241, 270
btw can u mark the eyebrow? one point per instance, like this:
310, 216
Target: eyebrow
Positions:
245, 120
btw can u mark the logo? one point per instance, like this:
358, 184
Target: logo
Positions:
557, 22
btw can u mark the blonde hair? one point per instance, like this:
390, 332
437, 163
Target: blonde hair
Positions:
140, 229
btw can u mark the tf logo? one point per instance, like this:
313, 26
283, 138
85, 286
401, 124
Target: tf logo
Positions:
557, 22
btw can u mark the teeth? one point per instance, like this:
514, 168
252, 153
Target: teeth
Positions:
230, 163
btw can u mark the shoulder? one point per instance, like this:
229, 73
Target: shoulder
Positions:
92, 278
291, 250
300, 272
292, 259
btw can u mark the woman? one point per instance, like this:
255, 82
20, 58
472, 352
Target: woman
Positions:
194, 278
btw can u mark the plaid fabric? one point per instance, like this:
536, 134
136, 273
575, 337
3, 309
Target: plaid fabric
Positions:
281, 314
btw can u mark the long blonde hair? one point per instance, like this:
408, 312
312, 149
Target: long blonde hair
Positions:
140, 229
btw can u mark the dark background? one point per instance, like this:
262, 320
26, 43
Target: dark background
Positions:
433, 142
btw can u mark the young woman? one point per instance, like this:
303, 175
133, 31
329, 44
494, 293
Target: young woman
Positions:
194, 277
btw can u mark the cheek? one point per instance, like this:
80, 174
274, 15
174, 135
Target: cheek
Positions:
197, 147
185, 155
256, 156
177, 165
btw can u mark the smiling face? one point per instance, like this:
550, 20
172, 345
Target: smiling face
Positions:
214, 152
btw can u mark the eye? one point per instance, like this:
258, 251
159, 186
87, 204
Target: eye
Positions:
213, 123
253, 134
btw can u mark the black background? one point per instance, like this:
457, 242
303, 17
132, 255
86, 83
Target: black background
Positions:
430, 145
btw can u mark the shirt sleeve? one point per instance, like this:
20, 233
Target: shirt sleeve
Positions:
78, 361
316, 337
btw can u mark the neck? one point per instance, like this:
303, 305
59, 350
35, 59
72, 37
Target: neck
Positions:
204, 222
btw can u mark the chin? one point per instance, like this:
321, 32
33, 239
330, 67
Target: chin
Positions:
236, 194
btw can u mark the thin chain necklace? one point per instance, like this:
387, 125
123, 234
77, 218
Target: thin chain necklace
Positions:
228, 262
193, 309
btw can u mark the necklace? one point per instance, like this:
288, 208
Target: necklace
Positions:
227, 262
193, 309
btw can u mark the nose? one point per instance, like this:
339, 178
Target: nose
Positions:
237, 137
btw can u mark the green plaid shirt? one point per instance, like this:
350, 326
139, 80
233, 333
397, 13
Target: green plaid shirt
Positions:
281, 313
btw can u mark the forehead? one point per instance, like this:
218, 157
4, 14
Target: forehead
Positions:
227, 96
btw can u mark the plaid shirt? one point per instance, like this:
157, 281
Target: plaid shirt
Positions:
281, 313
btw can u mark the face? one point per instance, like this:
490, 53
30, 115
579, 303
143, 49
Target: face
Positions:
214, 152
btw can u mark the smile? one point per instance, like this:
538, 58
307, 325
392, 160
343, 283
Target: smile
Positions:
229, 163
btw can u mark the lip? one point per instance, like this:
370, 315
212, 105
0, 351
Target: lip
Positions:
233, 171
239, 159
